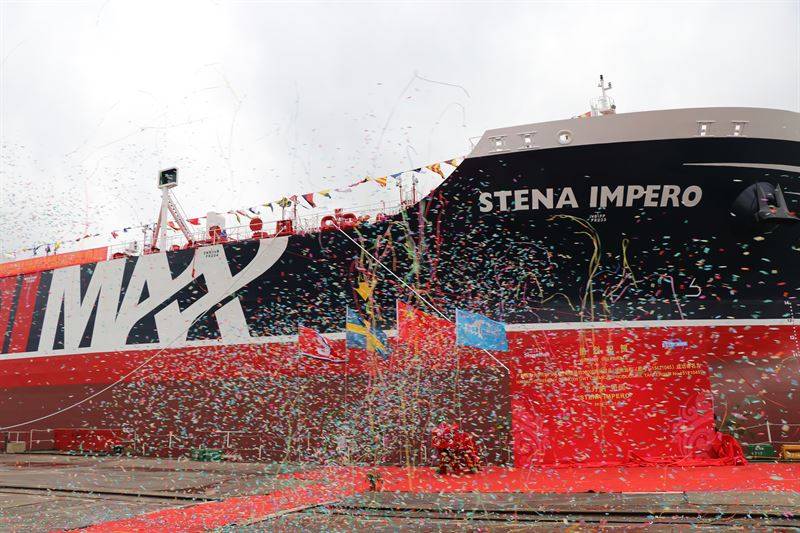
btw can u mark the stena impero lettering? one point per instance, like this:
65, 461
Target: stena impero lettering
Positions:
599, 197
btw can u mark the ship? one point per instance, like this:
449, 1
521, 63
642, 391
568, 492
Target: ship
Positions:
627, 254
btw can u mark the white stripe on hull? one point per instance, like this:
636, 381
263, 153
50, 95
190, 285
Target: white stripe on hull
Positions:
551, 326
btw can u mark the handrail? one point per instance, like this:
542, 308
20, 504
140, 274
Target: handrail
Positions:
300, 225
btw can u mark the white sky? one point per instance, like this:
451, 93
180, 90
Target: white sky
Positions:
257, 100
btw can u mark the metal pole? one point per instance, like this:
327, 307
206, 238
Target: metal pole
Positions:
169, 444
769, 433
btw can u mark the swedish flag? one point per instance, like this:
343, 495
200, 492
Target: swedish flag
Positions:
359, 335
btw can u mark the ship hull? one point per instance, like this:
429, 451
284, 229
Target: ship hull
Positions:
264, 402
645, 308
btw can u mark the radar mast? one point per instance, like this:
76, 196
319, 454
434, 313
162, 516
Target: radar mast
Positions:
604, 104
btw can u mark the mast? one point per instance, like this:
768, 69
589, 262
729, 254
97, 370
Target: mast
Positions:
604, 104
168, 180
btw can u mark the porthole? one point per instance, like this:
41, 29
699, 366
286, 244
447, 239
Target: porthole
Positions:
564, 137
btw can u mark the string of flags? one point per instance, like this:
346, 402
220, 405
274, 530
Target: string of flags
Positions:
469, 329
309, 202
382, 181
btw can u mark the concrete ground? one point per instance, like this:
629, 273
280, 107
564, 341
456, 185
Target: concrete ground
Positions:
40, 492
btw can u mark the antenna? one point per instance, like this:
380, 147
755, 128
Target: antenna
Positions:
603, 87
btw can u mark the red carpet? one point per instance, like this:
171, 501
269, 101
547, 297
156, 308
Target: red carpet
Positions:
752, 477
213, 515
327, 485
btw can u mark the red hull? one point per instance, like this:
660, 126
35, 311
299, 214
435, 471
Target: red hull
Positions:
264, 401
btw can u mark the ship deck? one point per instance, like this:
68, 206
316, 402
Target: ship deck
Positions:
46, 492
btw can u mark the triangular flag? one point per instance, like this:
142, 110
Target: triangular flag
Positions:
310, 199
326, 193
284, 202
271, 207
360, 182
173, 226
380, 181
454, 162
194, 221
395, 176
364, 289
436, 167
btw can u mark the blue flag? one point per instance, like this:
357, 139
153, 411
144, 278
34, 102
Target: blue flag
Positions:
476, 330
358, 335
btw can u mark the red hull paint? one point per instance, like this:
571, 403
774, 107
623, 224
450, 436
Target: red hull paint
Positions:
197, 391
763, 345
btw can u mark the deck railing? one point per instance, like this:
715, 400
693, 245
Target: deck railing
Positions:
312, 223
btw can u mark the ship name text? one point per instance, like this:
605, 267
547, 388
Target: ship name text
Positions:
599, 197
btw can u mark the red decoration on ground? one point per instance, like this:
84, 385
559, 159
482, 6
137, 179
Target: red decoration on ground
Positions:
728, 450
458, 453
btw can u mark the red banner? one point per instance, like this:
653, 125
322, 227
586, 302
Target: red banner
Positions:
611, 396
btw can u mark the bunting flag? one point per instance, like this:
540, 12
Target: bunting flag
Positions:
359, 182
283, 202
436, 167
173, 226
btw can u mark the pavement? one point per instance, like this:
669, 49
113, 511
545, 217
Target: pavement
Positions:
44, 492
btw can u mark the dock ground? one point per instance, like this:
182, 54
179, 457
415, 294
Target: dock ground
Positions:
44, 492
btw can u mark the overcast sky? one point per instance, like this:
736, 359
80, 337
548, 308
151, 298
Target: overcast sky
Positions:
257, 100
